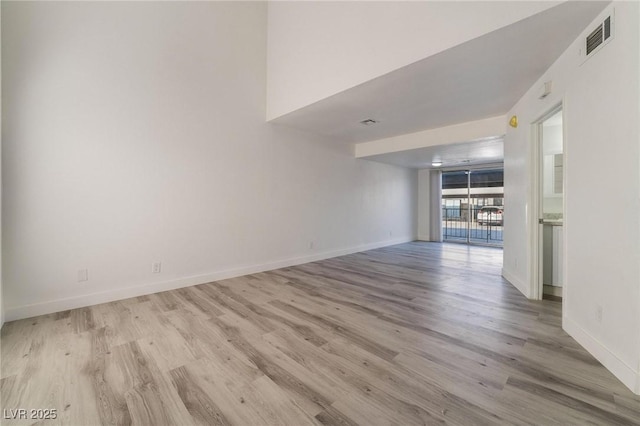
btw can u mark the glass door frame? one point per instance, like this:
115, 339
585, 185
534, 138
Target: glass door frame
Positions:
470, 209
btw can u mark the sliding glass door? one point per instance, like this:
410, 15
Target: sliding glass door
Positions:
473, 206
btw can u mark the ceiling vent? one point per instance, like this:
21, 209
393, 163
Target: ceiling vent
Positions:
598, 38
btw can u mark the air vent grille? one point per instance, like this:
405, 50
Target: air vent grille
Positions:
594, 39
602, 33
607, 27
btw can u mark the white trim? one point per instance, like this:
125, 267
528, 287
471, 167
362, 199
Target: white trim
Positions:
26, 311
522, 286
611, 362
565, 190
534, 213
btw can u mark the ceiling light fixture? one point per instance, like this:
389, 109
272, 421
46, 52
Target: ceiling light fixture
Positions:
436, 164
369, 122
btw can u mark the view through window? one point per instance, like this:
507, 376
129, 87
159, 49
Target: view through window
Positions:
473, 206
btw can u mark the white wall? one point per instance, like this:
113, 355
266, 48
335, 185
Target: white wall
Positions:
424, 204
1, 285
318, 49
602, 193
435, 210
135, 132
552, 144
552, 136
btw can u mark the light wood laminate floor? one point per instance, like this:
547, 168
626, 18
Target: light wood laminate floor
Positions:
417, 333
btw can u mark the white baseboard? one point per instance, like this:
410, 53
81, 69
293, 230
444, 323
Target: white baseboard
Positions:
516, 282
626, 374
13, 313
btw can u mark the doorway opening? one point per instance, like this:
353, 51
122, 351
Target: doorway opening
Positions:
473, 206
549, 236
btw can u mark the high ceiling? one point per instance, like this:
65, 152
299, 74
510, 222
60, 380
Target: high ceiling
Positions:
481, 78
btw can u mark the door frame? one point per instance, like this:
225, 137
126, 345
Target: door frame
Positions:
535, 212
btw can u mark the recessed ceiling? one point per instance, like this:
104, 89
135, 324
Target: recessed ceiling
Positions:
481, 78
473, 153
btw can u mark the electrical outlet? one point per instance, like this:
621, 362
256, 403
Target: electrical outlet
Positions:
83, 275
156, 267
599, 313
391, 233
311, 245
